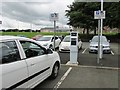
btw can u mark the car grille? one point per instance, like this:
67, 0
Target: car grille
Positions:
64, 50
97, 46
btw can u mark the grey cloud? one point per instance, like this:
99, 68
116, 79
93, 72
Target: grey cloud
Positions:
33, 12
22, 12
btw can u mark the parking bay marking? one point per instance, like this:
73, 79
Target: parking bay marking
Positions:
84, 50
62, 79
112, 53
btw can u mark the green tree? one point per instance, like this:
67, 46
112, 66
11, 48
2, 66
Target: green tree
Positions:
81, 14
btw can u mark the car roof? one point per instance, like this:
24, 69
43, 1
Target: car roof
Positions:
6, 37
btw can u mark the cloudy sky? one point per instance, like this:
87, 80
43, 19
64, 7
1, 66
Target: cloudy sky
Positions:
25, 14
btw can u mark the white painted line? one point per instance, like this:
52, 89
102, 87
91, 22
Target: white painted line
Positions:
84, 50
100, 67
112, 53
62, 79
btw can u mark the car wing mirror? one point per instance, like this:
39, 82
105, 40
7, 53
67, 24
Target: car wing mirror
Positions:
49, 51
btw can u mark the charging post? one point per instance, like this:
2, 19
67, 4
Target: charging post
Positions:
73, 48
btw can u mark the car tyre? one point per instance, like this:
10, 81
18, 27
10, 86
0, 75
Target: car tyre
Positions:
55, 71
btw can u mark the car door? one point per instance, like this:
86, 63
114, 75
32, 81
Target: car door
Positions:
38, 62
14, 68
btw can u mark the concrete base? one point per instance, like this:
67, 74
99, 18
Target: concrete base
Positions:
72, 64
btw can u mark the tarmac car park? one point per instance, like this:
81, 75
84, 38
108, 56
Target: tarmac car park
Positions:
88, 74
104, 75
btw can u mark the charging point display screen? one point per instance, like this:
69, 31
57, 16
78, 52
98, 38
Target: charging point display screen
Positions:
73, 41
73, 34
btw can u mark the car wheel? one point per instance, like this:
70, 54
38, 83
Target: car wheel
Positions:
55, 71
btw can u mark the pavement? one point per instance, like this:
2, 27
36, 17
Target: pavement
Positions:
82, 78
90, 59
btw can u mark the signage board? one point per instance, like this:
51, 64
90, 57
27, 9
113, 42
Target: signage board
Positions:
54, 17
99, 14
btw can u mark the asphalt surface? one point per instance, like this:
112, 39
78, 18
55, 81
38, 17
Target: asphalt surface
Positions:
90, 59
48, 83
90, 78
88, 74
83, 78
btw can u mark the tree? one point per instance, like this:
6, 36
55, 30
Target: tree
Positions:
81, 15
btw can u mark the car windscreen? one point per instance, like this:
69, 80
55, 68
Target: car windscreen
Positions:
44, 39
66, 39
95, 39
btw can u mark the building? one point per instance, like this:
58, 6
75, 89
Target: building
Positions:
50, 29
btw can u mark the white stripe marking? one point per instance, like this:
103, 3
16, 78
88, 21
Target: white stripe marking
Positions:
112, 53
84, 50
62, 79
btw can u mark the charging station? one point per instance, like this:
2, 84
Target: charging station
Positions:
73, 48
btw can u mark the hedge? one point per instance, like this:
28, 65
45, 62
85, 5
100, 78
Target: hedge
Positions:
112, 38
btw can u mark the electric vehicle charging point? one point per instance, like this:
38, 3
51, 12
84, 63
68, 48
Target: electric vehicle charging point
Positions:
73, 49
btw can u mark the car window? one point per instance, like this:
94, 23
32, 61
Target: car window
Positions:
43, 39
56, 38
66, 39
31, 49
9, 52
95, 39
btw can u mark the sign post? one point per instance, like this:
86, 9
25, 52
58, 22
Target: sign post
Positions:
54, 18
101, 47
100, 15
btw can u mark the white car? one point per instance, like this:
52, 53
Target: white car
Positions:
94, 44
48, 41
65, 44
24, 63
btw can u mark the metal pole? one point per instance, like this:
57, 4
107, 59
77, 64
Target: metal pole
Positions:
54, 33
98, 59
101, 50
